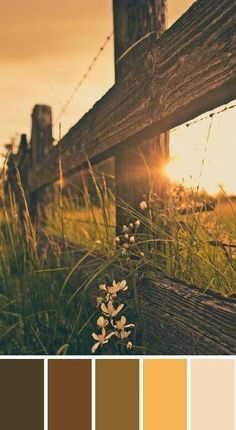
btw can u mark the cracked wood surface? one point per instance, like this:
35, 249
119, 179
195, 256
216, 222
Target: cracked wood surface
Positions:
180, 319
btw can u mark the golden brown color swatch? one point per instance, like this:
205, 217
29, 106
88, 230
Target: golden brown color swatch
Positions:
21, 394
69, 394
165, 394
212, 394
117, 395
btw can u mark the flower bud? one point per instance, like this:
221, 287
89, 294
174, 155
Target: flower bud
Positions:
143, 205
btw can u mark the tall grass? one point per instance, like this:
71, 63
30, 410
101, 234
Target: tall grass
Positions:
85, 222
47, 298
184, 240
189, 235
40, 311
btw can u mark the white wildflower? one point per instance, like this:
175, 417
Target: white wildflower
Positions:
143, 205
110, 310
116, 287
121, 325
102, 322
102, 287
99, 300
102, 339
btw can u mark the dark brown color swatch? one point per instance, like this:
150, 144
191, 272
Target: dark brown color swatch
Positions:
69, 394
21, 394
117, 395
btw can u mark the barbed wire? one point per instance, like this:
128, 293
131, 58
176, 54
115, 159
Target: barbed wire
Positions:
87, 72
84, 77
208, 116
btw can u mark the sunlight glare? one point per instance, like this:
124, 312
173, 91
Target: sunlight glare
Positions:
204, 156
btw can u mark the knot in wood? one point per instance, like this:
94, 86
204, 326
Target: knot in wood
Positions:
150, 63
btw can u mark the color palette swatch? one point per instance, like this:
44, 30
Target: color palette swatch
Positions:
69, 394
117, 393
21, 394
212, 394
165, 388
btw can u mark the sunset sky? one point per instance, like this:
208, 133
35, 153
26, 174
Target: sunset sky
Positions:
46, 46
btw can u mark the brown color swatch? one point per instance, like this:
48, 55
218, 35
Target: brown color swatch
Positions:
165, 394
117, 394
22, 394
69, 394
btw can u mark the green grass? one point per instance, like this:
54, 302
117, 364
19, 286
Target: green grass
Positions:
48, 289
84, 226
35, 317
199, 247
47, 299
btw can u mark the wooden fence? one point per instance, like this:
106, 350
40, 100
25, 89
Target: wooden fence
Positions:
189, 70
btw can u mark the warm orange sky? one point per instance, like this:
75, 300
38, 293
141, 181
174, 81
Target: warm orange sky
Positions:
45, 48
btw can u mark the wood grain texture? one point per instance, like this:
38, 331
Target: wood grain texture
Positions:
133, 21
189, 70
41, 134
181, 319
139, 168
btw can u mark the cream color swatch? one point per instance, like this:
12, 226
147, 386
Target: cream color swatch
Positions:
212, 394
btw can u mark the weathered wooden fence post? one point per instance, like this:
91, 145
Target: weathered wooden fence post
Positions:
41, 134
138, 169
41, 143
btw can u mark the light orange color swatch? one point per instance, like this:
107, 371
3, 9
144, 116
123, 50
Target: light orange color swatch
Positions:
212, 394
165, 394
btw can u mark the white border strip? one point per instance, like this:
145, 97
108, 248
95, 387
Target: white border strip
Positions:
189, 364
235, 393
93, 393
45, 394
140, 393
116, 357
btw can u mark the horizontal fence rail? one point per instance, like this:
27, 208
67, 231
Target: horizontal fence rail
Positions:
189, 70
179, 319
176, 317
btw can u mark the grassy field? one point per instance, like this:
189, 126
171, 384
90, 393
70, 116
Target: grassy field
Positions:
45, 301
45, 307
199, 247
